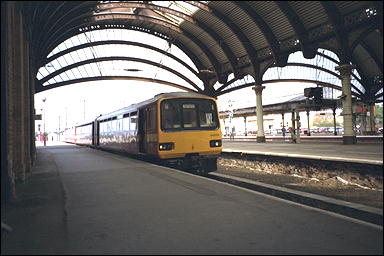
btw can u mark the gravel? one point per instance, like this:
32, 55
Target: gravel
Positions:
361, 184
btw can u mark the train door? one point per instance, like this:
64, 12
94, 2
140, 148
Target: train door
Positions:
147, 121
150, 130
141, 131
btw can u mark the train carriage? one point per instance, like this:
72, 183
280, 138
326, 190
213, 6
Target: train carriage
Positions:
179, 127
69, 134
84, 134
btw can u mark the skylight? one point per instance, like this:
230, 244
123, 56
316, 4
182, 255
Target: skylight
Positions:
173, 12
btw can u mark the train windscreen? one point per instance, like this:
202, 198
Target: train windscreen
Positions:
188, 114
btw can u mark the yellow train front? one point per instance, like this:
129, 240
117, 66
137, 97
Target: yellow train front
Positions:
189, 129
183, 128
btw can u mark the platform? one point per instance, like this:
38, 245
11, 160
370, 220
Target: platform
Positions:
367, 153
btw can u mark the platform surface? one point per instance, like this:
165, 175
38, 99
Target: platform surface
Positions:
371, 153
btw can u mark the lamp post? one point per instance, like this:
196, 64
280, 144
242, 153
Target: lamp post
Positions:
66, 118
58, 139
44, 135
230, 114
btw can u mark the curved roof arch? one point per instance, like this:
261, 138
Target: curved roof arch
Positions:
228, 37
318, 71
117, 42
112, 58
82, 53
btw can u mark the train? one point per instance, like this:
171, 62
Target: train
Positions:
178, 128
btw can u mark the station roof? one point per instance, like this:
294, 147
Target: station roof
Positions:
228, 37
299, 103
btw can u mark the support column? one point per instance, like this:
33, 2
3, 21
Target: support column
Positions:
28, 118
293, 126
363, 121
18, 115
8, 192
32, 79
345, 70
245, 126
225, 128
334, 121
309, 129
17, 94
372, 114
259, 113
298, 126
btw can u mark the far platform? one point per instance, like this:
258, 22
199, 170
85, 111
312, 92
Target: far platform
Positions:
324, 148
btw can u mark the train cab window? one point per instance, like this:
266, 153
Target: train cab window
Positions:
170, 115
207, 114
189, 115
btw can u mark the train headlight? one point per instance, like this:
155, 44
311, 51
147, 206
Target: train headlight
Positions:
165, 146
215, 143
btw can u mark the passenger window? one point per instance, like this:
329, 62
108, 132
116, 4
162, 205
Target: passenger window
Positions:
133, 121
115, 125
126, 123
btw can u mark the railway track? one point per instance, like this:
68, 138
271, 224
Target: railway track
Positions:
307, 194
353, 210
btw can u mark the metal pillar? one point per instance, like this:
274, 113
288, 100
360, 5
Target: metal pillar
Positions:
44, 131
334, 121
363, 126
259, 113
225, 129
309, 129
345, 70
245, 126
7, 182
298, 126
17, 93
293, 130
19, 104
58, 139
231, 127
372, 115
